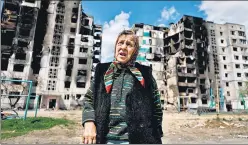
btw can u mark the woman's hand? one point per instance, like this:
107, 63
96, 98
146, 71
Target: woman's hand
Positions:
89, 133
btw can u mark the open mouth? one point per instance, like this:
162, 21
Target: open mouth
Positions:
122, 54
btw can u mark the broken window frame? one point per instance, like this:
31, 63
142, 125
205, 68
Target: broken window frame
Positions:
18, 67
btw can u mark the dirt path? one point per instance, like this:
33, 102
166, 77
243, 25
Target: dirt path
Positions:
178, 128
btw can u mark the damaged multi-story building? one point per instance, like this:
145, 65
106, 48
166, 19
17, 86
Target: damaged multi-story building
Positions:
151, 52
18, 25
62, 45
192, 57
229, 58
187, 63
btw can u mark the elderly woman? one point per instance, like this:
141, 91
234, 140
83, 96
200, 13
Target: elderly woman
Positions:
122, 105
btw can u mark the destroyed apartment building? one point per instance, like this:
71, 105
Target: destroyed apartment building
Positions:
151, 52
61, 49
187, 63
189, 56
18, 25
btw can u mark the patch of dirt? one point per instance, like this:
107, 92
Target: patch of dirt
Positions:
178, 128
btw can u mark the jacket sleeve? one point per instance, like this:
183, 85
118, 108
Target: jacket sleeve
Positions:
88, 113
157, 112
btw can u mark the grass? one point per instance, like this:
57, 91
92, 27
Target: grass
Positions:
17, 127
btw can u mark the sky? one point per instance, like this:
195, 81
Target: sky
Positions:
115, 16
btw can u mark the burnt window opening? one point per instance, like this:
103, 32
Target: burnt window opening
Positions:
236, 57
226, 75
59, 19
67, 97
246, 74
55, 50
35, 83
71, 41
225, 66
150, 50
84, 50
70, 50
24, 32
25, 19
97, 44
60, 8
234, 40
221, 33
18, 67
73, 30
22, 43
68, 72
67, 84
182, 79
191, 79
17, 79
75, 10
238, 74
82, 72
228, 93
232, 32
224, 58
84, 39
201, 71
85, 31
96, 60
58, 28
81, 84
240, 84
157, 57
242, 102
82, 61
202, 81
97, 52
237, 65
4, 63
20, 56
204, 101
36, 65
86, 22
54, 61
193, 100
235, 49
227, 84
190, 70
245, 66
78, 96
57, 39
70, 61
150, 41
245, 57
74, 18
222, 41
190, 90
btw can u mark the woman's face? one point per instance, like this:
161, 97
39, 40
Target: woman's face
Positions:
125, 47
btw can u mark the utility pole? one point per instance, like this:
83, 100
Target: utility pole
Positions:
217, 97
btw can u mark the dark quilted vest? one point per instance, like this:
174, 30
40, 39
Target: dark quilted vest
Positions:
142, 128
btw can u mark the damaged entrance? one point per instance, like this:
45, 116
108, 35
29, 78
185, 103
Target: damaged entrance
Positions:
52, 103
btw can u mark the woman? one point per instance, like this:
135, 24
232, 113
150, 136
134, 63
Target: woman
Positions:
122, 104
